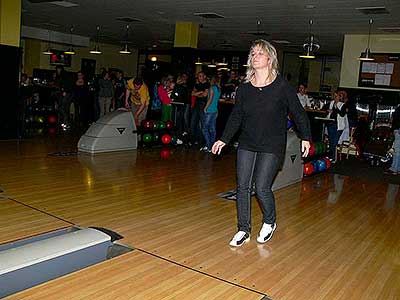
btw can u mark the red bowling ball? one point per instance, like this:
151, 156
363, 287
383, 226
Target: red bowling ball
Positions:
147, 124
166, 139
169, 124
308, 169
312, 150
52, 119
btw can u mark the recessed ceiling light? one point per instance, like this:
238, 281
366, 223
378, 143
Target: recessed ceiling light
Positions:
209, 15
281, 42
64, 3
372, 10
165, 41
129, 19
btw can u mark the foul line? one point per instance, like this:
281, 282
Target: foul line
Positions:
42, 211
265, 297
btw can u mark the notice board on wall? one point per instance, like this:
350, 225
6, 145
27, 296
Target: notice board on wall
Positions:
382, 72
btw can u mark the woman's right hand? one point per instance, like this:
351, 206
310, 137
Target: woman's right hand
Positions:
217, 147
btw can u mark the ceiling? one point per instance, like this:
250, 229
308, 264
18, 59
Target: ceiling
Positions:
280, 20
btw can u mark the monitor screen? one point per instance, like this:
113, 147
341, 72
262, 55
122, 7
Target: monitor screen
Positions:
59, 58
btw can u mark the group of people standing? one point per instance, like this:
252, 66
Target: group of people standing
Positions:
80, 101
193, 110
340, 110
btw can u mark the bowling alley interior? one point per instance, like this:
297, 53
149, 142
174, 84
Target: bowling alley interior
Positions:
122, 137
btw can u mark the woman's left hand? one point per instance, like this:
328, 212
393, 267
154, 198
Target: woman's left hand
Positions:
305, 148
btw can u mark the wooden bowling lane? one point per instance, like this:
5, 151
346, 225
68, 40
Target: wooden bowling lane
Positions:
18, 221
337, 237
34, 148
137, 275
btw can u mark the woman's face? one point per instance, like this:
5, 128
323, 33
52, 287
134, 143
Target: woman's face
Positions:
259, 58
336, 97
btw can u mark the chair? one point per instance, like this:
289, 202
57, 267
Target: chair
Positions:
347, 147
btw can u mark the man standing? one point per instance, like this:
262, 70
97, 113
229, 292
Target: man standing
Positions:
200, 91
120, 88
138, 92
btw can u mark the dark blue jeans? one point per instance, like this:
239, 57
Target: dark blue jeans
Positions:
196, 123
209, 128
260, 168
334, 136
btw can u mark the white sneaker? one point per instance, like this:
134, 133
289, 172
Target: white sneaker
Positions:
239, 239
266, 232
205, 149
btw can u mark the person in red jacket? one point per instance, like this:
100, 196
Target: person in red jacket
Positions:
164, 92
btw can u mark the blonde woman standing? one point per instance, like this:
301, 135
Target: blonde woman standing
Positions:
261, 108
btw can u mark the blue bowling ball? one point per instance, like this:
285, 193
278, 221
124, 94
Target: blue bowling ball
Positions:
321, 165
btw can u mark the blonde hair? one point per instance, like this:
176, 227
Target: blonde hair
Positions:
271, 53
215, 81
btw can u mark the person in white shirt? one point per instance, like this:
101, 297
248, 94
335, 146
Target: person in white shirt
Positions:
336, 127
303, 97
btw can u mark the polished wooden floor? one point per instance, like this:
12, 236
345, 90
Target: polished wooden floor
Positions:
337, 237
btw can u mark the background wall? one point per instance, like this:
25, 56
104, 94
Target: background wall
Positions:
10, 22
320, 74
352, 48
110, 58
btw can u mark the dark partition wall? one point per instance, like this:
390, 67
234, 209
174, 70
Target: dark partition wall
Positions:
10, 58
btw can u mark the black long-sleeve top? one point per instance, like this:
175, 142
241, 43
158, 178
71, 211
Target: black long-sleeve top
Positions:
261, 114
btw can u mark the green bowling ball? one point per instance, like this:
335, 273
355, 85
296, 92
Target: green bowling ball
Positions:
161, 125
147, 137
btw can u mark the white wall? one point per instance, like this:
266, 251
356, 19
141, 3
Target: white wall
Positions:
353, 45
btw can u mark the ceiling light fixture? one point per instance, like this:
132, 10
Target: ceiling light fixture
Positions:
96, 49
70, 50
198, 62
48, 50
366, 55
310, 45
223, 63
212, 64
125, 49
153, 58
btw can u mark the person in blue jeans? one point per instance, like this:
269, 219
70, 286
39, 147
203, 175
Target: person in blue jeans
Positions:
395, 167
211, 113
